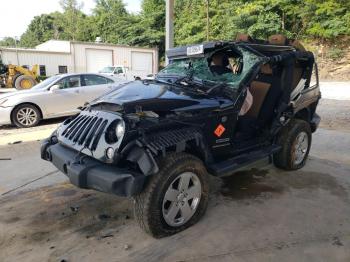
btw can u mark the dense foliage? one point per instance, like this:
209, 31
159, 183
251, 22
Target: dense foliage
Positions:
326, 20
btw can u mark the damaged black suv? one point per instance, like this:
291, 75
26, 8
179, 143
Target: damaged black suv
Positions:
157, 140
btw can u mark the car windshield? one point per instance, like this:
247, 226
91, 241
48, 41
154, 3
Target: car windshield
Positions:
227, 66
107, 69
45, 84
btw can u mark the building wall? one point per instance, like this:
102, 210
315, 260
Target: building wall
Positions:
30, 58
121, 55
75, 60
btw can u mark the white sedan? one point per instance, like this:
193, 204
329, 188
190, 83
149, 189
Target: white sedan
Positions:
57, 96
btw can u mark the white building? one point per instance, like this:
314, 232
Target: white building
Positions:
55, 56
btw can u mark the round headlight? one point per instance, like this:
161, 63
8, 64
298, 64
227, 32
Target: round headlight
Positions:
120, 129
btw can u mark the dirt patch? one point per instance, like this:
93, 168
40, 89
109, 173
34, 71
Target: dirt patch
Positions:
262, 184
47, 215
249, 184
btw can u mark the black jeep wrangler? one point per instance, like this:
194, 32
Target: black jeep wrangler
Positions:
157, 140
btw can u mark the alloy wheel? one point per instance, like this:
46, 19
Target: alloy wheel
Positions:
26, 116
301, 146
181, 199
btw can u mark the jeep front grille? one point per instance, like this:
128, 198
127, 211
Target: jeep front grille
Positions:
85, 131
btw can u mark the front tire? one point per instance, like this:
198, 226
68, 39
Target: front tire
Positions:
175, 198
295, 139
26, 115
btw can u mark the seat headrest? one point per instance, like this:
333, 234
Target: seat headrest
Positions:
278, 40
266, 69
243, 38
297, 45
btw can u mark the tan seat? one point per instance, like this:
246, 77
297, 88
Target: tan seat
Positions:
243, 38
259, 91
297, 45
278, 40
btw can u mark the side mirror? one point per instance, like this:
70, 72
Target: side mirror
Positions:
54, 88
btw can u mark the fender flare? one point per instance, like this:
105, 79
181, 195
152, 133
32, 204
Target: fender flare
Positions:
143, 158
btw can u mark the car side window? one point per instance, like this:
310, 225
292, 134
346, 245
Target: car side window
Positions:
119, 70
69, 82
91, 80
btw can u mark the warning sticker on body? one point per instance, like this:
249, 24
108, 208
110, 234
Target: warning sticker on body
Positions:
219, 130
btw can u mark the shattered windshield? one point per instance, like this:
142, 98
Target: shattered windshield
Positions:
228, 66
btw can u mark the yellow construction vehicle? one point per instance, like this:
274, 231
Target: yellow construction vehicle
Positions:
18, 76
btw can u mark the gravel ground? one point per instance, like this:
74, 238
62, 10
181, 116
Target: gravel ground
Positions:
335, 114
45, 124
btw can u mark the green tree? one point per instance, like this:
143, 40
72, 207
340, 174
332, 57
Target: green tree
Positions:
73, 21
8, 42
40, 29
111, 20
326, 19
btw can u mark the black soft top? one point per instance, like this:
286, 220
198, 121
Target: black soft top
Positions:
201, 49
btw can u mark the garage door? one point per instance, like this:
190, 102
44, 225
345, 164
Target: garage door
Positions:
142, 62
98, 59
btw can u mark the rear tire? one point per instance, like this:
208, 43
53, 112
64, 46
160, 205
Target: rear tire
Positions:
295, 139
24, 82
14, 79
26, 115
166, 205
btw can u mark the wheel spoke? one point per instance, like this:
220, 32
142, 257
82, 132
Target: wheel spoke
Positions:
171, 194
193, 192
184, 181
186, 210
172, 212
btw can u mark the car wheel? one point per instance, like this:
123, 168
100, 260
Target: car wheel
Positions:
295, 139
26, 115
175, 198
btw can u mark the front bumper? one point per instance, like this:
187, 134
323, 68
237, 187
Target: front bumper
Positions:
5, 115
86, 172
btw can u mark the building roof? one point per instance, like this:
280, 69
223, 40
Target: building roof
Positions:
64, 47
32, 50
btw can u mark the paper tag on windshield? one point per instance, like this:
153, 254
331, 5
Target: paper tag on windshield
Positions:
195, 50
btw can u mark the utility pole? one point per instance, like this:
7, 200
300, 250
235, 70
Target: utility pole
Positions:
207, 20
169, 27
16, 48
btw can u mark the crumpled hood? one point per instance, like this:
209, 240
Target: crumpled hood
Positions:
152, 96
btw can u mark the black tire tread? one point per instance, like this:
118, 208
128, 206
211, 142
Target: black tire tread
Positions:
144, 202
282, 159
